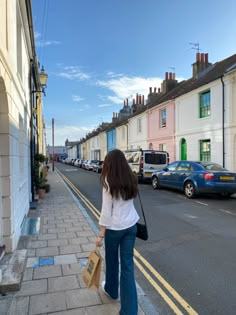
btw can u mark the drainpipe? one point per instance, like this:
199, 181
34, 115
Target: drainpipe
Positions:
223, 119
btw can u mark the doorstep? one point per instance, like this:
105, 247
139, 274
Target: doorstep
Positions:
12, 268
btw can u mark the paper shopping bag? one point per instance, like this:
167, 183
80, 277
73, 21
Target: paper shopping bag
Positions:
92, 270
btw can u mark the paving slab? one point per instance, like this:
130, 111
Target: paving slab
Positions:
81, 298
46, 303
63, 283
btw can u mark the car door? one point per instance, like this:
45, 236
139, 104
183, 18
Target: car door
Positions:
166, 176
183, 171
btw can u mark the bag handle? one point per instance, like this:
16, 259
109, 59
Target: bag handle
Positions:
142, 208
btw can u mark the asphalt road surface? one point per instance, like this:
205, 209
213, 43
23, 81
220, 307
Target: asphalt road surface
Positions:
191, 246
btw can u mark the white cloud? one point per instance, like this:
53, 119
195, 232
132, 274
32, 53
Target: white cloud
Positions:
63, 132
39, 42
37, 35
43, 43
105, 105
127, 87
114, 75
73, 73
77, 98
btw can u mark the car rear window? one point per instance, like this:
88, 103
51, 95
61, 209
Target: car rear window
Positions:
153, 158
213, 167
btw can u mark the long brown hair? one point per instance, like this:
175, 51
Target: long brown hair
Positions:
117, 174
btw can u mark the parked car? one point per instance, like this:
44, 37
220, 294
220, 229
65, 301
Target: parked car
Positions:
144, 162
80, 163
89, 165
98, 166
84, 164
76, 162
195, 177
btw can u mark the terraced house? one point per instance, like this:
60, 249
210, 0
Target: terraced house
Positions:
192, 119
20, 101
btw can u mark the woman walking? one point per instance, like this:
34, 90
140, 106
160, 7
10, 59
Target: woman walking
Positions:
118, 228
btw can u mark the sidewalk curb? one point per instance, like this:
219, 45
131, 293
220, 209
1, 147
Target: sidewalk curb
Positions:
144, 301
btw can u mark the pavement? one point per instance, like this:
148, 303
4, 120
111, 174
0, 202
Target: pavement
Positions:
54, 260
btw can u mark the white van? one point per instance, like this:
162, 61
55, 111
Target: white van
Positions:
144, 162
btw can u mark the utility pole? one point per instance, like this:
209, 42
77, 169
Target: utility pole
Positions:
53, 144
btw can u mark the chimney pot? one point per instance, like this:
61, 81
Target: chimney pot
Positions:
198, 56
202, 58
127, 102
159, 90
155, 90
206, 58
150, 90
143, 99
170, 76
137, 98
166, 76
173, 76
133, 101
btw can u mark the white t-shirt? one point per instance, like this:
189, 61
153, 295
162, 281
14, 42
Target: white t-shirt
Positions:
117, 214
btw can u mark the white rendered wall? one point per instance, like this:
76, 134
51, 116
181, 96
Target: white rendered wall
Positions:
14, 126
193, 129
137, 139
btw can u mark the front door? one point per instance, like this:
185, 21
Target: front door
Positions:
183, 150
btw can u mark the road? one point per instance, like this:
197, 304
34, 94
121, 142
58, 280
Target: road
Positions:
191, 247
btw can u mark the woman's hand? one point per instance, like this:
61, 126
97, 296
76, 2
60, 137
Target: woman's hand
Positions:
99, 240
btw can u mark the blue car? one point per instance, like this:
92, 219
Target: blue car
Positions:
195, 177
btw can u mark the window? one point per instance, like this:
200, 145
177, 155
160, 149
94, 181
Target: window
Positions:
205, 104
163, 118
205, 150
172, 166
162, 147
153, 158
139, 122
184, 166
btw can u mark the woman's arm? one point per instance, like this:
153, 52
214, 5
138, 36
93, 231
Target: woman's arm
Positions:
100, 236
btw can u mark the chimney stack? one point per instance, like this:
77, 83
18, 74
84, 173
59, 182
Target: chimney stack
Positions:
169, 83
201, 64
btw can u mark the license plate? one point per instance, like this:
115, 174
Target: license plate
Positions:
227, 177
147, 174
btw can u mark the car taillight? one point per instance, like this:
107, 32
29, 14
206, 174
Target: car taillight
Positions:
209, 176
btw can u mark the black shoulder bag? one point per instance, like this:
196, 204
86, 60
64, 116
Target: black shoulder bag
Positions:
142, 232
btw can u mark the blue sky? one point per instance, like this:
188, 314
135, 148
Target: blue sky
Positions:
99, 52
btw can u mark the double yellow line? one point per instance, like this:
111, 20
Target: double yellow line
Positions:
164, 289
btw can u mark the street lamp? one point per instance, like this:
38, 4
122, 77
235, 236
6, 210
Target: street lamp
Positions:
43, 78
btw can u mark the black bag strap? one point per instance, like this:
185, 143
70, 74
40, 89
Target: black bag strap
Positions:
142, 208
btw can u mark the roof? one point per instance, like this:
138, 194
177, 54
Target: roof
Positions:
212, 73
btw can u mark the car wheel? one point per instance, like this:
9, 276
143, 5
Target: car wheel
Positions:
155, 183
189, 190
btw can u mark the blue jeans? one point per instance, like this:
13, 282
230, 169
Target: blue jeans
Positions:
123, 240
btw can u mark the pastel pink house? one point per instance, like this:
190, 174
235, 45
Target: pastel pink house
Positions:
161, 118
